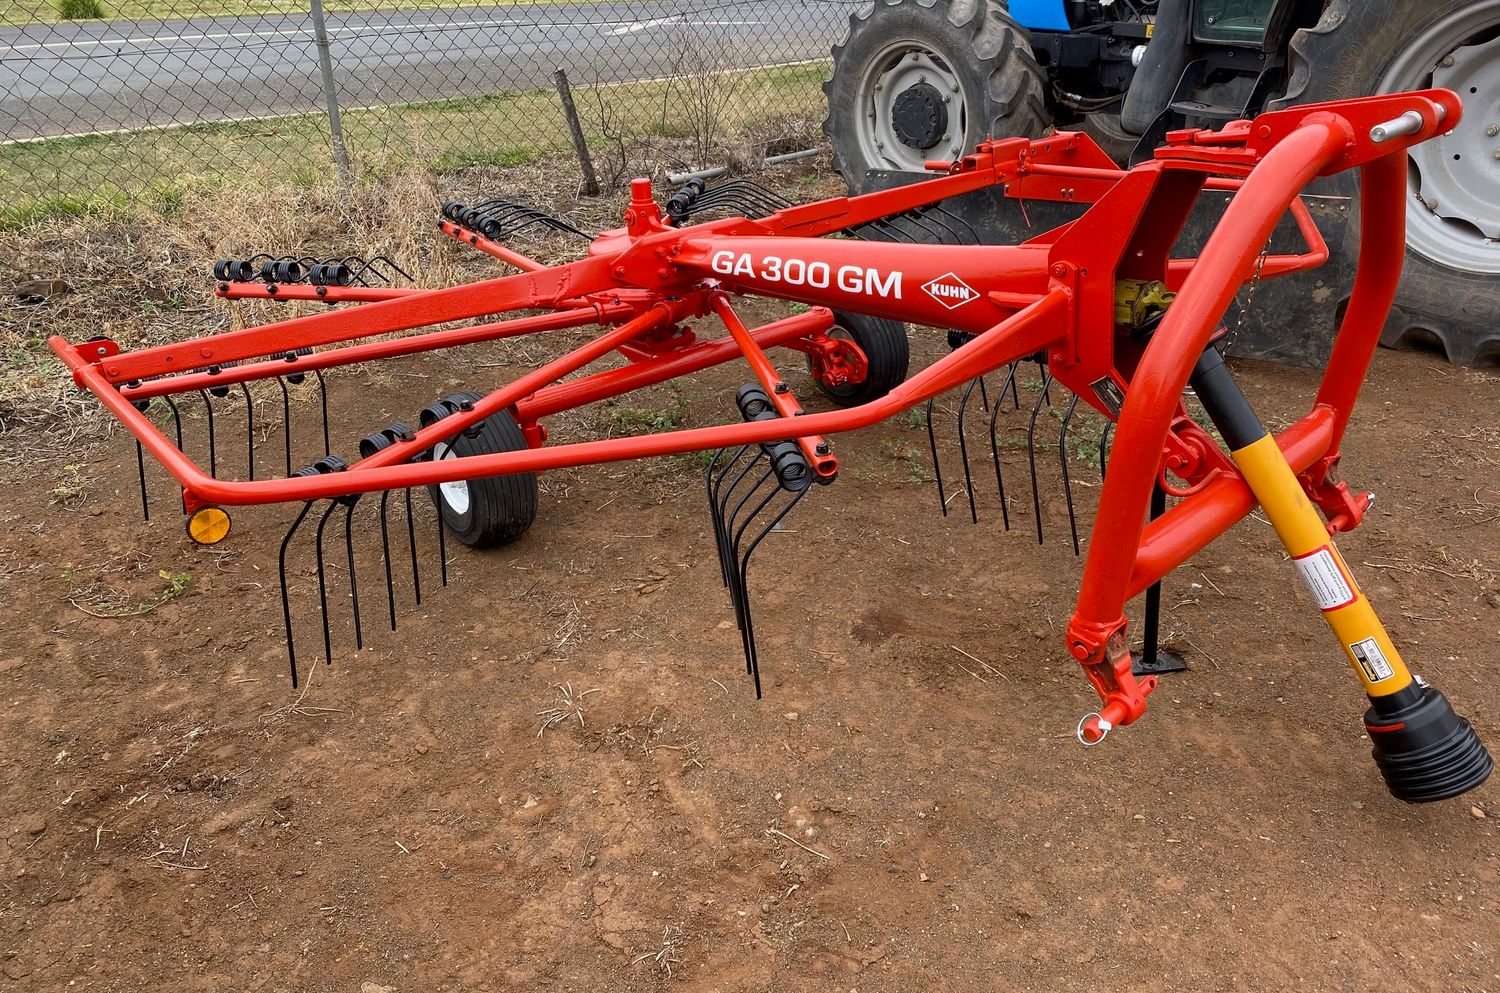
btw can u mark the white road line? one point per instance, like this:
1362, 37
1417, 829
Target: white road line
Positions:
254, 118
638, 26
143, 40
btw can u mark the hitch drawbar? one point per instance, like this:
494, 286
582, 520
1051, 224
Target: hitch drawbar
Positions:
1424, 750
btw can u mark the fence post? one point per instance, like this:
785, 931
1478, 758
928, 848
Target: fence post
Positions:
330, 94
575, 128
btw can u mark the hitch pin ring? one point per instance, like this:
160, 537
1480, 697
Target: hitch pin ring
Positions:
1104, 727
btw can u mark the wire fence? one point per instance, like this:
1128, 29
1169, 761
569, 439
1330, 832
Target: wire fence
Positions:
117, 99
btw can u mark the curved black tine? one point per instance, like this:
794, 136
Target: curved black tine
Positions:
709, 481
937, 467
732, 545
934, 226
177, 429
286, 603
745, 588
740, 592
1109, 426
286, 422
984, 395
723, 495
442, 544
963, 449
1010, 383
1036, 493
1062, 454
411, 541
385, 555
1015, 390
140, 468
359, 635
323, 400
213, 449
249, 432
1041, 367
392, 264
956, 218
323, 585
730, 517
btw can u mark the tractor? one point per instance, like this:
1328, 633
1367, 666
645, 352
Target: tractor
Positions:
922, 81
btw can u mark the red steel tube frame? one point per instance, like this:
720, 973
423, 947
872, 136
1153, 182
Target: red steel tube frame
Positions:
1036, 302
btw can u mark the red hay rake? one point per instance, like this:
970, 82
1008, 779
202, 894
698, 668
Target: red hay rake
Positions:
1098, 303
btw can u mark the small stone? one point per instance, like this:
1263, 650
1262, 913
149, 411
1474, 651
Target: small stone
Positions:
791, 715
1139, 817
369, 987
33, 824
1477, 811
421, 749
924, 878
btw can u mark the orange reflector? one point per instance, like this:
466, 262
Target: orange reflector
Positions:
208, 526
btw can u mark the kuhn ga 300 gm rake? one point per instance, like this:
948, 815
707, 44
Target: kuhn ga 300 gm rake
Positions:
1098, 303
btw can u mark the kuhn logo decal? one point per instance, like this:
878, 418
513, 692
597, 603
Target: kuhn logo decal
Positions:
950, 291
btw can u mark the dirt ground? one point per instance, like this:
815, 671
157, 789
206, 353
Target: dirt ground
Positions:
554, 775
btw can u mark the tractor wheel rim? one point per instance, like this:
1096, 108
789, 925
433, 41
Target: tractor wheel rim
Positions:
1453, 217
455, 492
894, 70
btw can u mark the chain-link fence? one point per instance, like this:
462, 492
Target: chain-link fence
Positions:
113, 99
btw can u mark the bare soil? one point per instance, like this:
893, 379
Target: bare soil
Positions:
555, 775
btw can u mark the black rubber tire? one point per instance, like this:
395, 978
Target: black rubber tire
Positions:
989, 53
1107, 131
499, 509
887, 354
1346, 54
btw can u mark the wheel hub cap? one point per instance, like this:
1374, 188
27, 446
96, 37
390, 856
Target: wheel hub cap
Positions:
918, 117
911, 103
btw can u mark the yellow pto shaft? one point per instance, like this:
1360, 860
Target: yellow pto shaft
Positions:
1424, 749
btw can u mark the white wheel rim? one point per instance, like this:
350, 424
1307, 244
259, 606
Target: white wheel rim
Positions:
893, 69
1451, 216
455, 493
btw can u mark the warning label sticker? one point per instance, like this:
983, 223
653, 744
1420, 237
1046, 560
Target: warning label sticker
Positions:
1325, 579
1371, 659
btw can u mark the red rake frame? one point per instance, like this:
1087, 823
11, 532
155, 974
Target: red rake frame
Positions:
1054, 294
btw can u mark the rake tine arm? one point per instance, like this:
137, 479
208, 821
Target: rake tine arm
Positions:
490, 247
540, 289
813, 447
1022, 333
372, 351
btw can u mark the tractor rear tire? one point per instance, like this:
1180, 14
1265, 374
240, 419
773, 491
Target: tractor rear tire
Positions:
887, 356
1450, 288
915, 80
492, 510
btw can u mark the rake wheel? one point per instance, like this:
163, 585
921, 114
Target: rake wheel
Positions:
493, 510
887, 353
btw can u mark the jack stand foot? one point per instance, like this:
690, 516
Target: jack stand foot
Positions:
1157, 663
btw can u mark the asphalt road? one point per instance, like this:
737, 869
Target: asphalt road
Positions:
87, 77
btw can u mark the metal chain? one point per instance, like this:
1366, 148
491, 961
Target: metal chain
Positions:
1234, 332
